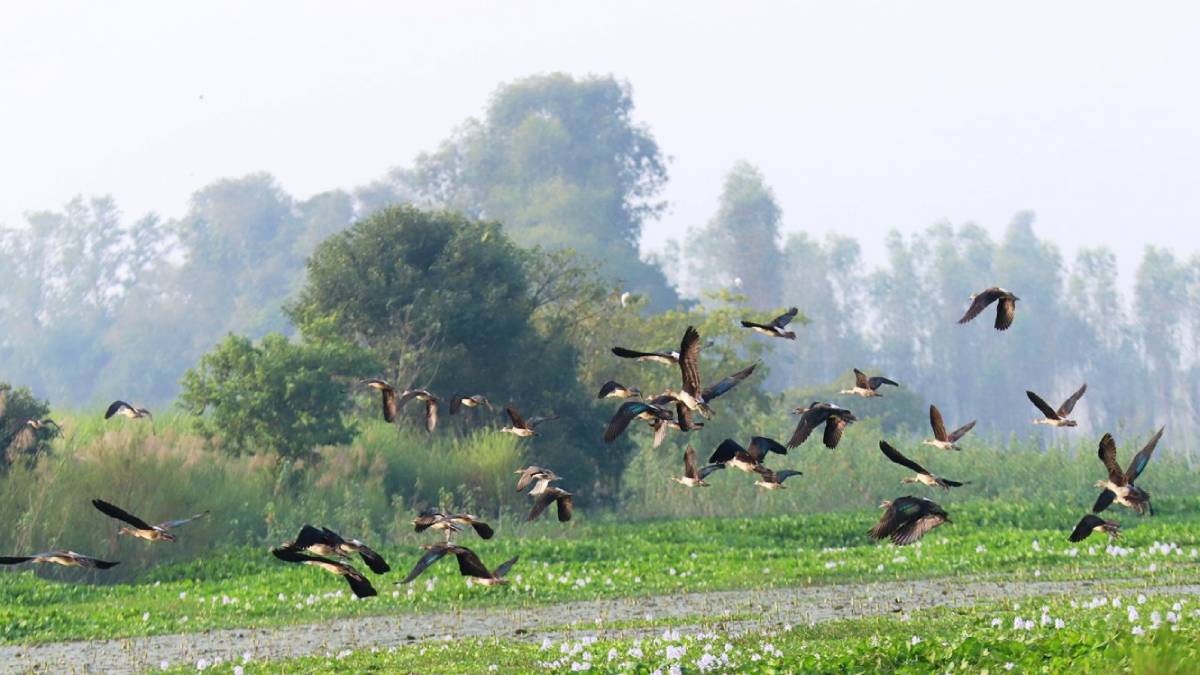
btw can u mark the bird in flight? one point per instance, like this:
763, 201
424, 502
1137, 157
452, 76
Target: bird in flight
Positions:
867, 387
941, 439
1093, 523
140, 528
1006, 310
776, 327
387, 397
325, 542
125, 410
521, 427
64, 558
773, 480
907, 519
359, 584
431, 405
693, 476
450, 523
924, 476
1120, 484
1057, 418
613, 389
460, 401
729, 453
835, 418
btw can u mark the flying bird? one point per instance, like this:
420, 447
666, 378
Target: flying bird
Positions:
1005, 310
867, 387
647, 410
325, 542
140, 528
469, 565
359, 584
125, 410
681, 422
941, 439
536, 475
1120, 484
450, 523
460, 401
773, 480
1093, 523
521, 427
431, 405
693, 396
776, 327
692, 476
729, 453
563, 500
64, 558
1057, 418
613, 389
923, 476
387, 397
907, 519
665, 357
835, 418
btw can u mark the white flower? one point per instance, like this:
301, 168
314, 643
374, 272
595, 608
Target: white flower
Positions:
344, 653
675, 670
636, 652
1059, 623
706, 662
145, 616
1009, 665
238, 670
493, 668
674, 653
164, 665
1116, 602
201, 664
981, 549
1133, 614
996, 622
1036, 545
1141, 599
915, 641
547, 644
577, 667
1137, 630
182, 595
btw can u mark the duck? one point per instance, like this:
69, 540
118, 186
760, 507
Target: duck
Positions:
565, 503
387, 397
776, 327
667, 357
693, 477
1057, 418
1093, 523
923, 476
1120, 484
325, 542
773, 480
431, 405
647, 410
907, 519
359, 584
60, 557
1006, 310
867, 387
450, 523
140, 528
433, 553
538, 476
460, 401
522, 428
941, 439
28, 432
681, 422
692, 395
730, 454
469, 565
126, 410
834, 417
614, 389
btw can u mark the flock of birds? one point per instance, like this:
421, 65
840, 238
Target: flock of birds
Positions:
904, 521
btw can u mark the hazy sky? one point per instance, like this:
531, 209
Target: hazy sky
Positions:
864, 116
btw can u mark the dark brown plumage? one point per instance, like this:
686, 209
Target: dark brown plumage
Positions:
1005, 311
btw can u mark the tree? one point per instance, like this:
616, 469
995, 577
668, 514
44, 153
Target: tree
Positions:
277, 396
18, 406
739, 248
561, 162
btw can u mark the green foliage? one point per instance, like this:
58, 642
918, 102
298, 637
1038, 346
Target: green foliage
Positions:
277, 396
17, 406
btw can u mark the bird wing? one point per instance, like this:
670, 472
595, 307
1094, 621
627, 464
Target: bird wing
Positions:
706, 470
90, 562
15, 559
761, 445
726, 451
456, 403
621, 419
1042, 406
431, 414
172, 524
309, 536
632, 353
1085, 527
608, 388
515, 416
860, 379
878, 381
938, 424
1069, 404
785, 318
684, 417
1108, 455
504, 567
895, 455
566, 506
715, 390
469, 564
373, 560
359, 585
390, 407
834, 426
408, 395
120, 514
961, 431
536, 420
751, 324
526, 477
1139, 461
114, 407
786, 474
431, 556
689, 360
689, 463
915, 529
887, 522
981, 301
1104, 501
1006, 311
808, 422
540, 503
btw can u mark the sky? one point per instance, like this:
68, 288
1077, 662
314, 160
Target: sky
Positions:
863, 116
